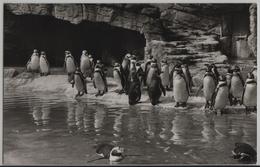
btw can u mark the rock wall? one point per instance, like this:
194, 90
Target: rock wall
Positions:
196, 33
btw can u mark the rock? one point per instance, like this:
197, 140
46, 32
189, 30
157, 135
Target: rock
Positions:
252, 38
10, 73
153, 12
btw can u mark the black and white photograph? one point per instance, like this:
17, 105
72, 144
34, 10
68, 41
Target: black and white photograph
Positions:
129, 83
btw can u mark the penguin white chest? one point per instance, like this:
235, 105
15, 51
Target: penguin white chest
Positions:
255, 74
99, 81
221, 98
208, 87
236, 88
70, 65
44, 65
250, 95
149, 76
85, 64
35, 62
165, 77
79, 83
117, 79
180, 92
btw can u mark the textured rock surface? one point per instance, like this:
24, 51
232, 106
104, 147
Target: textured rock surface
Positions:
252, 38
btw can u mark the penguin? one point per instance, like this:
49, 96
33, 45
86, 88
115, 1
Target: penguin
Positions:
70, 67
28, 66
236, 86
99, 80
153, 69
111, 152
140, 74
118, 77
147, 66
80, 82
254, 70
91, 59
181, 88
229, 76
44, 65
173, 73
35, 61
186, 72
244, 153
249, 96
209, 86
215, 71
85, 64
220, 96
165, 75
103, 71
155, 89
126, 65
134, 92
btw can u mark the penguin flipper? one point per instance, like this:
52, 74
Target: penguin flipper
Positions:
94, 84
213, 98
242, 99
199, 89
162, 88
241, 79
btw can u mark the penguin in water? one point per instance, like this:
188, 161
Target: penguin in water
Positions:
165, 75
181, 88
155, 89
244, 153
35, 61
44, 65
109, 151
85, 64
99, 80
249, 96
119, 78
80, 83
236, 86
134, 92
153, 69
220, 96
209, 86
70, 66
254, 70
186, 72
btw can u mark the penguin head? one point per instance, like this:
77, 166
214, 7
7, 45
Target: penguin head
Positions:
116, 154
98, 62
250, 76
128, 56
138, 64
84, 52
222, 78
117, 66
150, 57
35, 51
43, 53
153, 65
164, 62
133, 57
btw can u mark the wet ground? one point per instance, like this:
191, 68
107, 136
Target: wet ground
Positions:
48, 128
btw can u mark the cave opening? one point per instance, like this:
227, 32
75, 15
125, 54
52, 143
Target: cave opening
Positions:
23, 33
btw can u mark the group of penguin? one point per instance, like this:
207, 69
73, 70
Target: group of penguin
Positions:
131, 77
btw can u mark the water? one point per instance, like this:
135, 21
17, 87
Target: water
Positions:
52, 129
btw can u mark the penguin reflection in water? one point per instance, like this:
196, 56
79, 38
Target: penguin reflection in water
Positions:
180, 88
70, 66
44, 65
244, 153
249, 97
155, 89
236, 86
99, 81
220, 96
80, 82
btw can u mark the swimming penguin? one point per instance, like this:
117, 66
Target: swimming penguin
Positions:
186, 72
155, 89
80, 82
249, 95
209, 86
70, 66
236, 86
35, 61
153, 69
244, 152
134, 92
180, 88
254, 70
165, 75
44, 65
111, 152
220, 96
99, 81
119, 78
85, 64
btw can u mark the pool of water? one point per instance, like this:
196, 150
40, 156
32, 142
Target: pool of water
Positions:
44, 128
